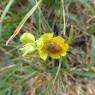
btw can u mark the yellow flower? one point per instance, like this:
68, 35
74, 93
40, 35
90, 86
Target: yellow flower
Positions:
46, 45
52, 46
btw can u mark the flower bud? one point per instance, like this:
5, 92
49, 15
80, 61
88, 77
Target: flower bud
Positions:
27, 49
27, 38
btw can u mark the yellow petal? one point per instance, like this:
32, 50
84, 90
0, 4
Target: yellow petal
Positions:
58, 39
65, 48
46, 36
43, 54
39, 44
54, 56
63, 54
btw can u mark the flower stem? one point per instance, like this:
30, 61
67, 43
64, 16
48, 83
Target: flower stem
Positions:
58, 70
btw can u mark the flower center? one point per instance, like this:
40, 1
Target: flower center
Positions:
54, 48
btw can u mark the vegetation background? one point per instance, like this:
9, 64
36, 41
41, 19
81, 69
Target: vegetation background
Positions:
32, 76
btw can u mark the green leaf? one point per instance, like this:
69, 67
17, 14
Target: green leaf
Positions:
71, 35
92, 54
7, 58
84, 74
59, 88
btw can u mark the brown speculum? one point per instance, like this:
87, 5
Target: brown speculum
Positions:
54, 48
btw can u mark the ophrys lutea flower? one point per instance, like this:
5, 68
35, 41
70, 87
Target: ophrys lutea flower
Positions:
46, 45
54, 47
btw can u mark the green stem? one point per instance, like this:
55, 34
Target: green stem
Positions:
64, 28
58, 70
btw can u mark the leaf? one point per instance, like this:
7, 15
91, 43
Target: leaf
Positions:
92, 54
84, 74
71, 35
4, 14
87, 5
59, 88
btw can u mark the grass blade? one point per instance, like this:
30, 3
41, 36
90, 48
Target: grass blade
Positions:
4, 14
23, 21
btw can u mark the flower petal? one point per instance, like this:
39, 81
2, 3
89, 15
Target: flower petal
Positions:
58, 39
46, 36
65, 48
42, 54
39, 44
63, 54
54, 56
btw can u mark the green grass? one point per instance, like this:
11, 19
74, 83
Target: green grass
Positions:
35, 16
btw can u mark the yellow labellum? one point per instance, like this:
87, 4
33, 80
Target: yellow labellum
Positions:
46, 45
52, 46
